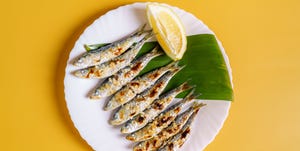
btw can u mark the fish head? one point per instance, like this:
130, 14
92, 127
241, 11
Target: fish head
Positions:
126, 128
95, 95
116, 119
82, 73
139, 147
110, 105
82, 61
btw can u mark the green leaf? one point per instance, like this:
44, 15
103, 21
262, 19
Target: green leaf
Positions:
93, 46
204, 67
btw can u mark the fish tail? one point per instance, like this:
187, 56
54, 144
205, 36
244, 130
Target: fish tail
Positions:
197, 105
142, 30
191, 118
176, 69
155, 52
172, 66
190, 96
147, 37
184, 86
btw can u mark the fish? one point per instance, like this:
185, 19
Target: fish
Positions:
185, 118
111, 67
143, 100
137, 86
154, 109
175, 142
125, 75
110, 51
161, 121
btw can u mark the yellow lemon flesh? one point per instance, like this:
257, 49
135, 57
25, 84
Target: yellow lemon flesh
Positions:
168, 28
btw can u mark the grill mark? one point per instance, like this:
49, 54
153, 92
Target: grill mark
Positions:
170, 131
185, 86
185, 133
135, 84
137, 66
177, 69
141, 119
147, 137
91, 71
153, 93
117, 77
130, 138
127, 74
132, 114
177, 110
97, 73
118, 51
140, 99
158, 106
154, 142
122, 93
147, 145
87, 75
173, 130
155, 90
121, 115
153, 76
171, 146
116, 61
163, 120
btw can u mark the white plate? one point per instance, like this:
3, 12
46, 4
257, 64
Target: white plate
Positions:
88, 116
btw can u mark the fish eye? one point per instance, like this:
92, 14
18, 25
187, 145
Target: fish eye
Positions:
83, 71
80, 60
96, 92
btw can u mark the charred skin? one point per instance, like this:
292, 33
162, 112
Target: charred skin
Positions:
110, 51
153, 110
111, 67
161, 121
185, 118
137, 86
142, 101
125, 75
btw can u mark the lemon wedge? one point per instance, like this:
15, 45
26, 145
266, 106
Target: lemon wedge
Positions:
168, 28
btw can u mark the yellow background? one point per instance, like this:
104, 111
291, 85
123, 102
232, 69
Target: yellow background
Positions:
262, 39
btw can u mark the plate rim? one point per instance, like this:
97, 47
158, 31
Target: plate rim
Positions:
225, 56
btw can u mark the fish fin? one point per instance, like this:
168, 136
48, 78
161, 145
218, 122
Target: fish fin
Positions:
190, 96
195, 112
148, 36
196, 105
176, 69
155, 51
171, 66
94, 46
142, 30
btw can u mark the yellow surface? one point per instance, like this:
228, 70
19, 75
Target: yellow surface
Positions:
261, 38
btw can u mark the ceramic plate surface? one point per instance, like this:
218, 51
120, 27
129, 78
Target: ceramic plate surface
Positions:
89, 117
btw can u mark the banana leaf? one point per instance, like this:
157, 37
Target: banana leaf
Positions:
205, 68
